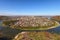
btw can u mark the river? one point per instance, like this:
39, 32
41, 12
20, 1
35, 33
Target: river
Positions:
55, 30
12, 32
8, 33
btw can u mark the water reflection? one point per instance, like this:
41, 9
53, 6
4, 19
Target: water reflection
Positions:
55, 30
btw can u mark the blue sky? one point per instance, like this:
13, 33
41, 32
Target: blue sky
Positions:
29, 7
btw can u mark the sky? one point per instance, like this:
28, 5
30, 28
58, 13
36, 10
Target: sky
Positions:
29, 7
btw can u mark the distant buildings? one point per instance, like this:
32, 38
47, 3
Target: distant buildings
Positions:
34, 21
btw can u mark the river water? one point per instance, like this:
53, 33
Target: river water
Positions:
13, 31
8, 33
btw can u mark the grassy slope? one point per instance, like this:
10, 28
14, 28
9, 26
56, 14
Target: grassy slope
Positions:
39, 36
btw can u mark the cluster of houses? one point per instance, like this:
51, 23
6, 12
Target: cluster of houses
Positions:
34, 21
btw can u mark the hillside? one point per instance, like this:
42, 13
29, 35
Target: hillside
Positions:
36, 36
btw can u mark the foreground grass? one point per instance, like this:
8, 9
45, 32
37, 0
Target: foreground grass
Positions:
37, 36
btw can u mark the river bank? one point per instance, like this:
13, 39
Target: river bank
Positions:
11, 33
